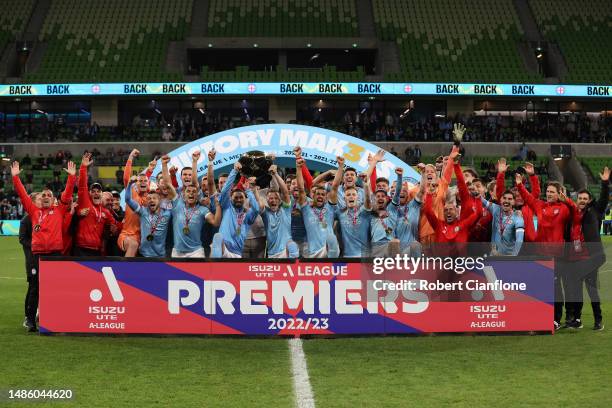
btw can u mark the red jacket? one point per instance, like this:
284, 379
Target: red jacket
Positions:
48, 238
481, 229
454, 232
91, 227
552, 221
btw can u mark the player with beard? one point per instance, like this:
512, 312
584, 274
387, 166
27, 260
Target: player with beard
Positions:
129, 238
519, 203
298, 230
348, 181
188, 217
318, 215
553, 217
47, 222
276, 215
154, 221
508, 227
90, 227
586, 254
354, 219
382, 225
236, 221
407, 213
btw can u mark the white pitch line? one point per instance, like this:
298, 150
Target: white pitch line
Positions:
9, 277
304, 397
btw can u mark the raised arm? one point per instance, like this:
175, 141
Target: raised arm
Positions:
333, 194
195, 156
398, 185
150, 168
500, 181
464, 194
253, 207
66, 197
308, 181
534, 181
167, 178
83, 198
378, 157
26, 201
128, 195
300, 181
210, 173
215, 220
127, 171
224, 198
447, 174
319, 179
528, 198
602, 202
284, 191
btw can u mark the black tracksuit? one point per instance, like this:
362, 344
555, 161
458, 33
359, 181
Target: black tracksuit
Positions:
31, 266
587, 269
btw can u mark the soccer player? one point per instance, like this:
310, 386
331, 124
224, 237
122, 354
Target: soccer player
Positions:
407, 214
586, 254
47, 221
276, 215
318, 214
508, 226
553, 217
519, 204
354, 219
129, 239
90, 228
154, 221
349, 180
236, 220
188, 217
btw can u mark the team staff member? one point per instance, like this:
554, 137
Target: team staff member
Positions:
25, 239
47, 222
553, 217
90, 228
586, 253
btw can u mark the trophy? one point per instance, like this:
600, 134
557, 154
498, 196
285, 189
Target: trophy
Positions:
256, 164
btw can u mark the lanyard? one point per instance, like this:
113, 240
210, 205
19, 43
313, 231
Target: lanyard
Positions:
320, 214
355, 215
98, 215
189, 215
157, 221
239, 216
502, 224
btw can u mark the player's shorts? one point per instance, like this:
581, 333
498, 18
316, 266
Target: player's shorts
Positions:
321, 253
198, 253
229, 254
281, 254
122, 238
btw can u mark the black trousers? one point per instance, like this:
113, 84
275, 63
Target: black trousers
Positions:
31, 301
29, 266
575, 275
79, 251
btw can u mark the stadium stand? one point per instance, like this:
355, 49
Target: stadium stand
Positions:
282, 18
110, 40
457, 41
583, 34
14, 16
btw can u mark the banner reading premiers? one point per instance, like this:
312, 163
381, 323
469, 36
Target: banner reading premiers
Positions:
288, 298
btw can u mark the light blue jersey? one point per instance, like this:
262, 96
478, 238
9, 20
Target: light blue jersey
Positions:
153, 228
187, 224
355, 229
406, 216
298, 230
507, 230
236, 221
278, 228
319, 224
382, 229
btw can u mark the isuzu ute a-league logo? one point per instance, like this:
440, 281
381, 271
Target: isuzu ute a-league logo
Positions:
112, 284
107, 317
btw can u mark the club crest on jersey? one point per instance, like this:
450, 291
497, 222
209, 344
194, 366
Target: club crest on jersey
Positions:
556, 211
457, 229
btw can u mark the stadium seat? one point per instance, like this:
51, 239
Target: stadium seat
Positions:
82, 47
281, 18
583, 34
454, 41
15, 15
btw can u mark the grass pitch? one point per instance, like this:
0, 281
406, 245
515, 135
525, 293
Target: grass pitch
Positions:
571, 368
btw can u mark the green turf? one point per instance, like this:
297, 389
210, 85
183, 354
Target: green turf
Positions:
136, 371
567, 369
